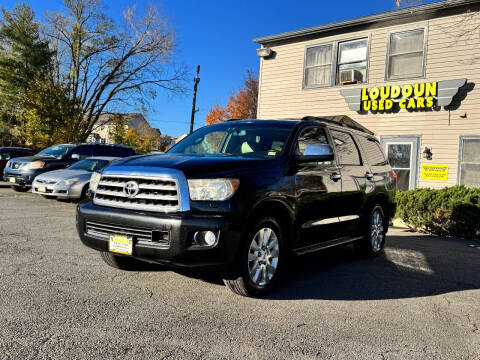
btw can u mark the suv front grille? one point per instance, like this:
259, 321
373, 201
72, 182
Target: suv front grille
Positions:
154, 194
95, 228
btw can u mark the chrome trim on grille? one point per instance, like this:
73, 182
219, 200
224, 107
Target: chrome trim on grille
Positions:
160, 189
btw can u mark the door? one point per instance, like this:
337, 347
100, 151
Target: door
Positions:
317, 186
356, 182
402, 154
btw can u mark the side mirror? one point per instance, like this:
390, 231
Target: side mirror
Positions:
316, 153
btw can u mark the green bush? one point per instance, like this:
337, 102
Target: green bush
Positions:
451, 211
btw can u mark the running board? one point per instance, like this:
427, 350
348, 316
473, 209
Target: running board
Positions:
325, 245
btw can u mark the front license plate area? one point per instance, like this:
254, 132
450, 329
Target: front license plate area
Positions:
42, 189
120, 244
12, 180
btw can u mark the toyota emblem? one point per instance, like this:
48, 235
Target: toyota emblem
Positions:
130, 189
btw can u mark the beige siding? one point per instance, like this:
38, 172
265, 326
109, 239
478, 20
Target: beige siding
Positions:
448, 56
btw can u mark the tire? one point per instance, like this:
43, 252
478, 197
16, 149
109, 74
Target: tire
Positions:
375, 229
19, 188
258, 265
118, 261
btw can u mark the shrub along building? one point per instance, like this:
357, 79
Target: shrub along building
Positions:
409, 75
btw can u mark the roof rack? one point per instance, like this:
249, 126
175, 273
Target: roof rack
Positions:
340, 120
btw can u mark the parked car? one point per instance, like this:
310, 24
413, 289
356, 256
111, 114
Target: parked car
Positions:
242, 195
72, 182
7, 153
20, 172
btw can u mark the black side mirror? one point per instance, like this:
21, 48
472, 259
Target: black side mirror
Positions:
316, 153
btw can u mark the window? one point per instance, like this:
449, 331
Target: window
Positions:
4, 155
84, 151
346, 149
252, 140
313, 135
406, 54
352, 62
372, 150
318, 66
470, 161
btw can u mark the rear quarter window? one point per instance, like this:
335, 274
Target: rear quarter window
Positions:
372, 151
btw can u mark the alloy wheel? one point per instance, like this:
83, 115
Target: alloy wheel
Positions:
263, 256
377, 231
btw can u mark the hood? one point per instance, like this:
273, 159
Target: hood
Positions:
64, 174
28, 159
193, 165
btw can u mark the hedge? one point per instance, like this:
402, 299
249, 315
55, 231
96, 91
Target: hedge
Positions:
451, 211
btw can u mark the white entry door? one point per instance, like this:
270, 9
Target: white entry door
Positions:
402, 153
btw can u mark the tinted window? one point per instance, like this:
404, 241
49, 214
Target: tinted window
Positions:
314, 135
5, 155
99, 150
372, 151
84, 150
118, 151
346, 149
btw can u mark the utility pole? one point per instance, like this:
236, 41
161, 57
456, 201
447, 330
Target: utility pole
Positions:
196, 80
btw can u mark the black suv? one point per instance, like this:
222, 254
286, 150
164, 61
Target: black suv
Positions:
244, 195
20, 172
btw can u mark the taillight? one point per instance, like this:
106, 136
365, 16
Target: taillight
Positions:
394, 176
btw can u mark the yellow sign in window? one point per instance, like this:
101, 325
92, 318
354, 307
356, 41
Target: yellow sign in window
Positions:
434, 172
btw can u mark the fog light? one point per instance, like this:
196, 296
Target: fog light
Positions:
205, 238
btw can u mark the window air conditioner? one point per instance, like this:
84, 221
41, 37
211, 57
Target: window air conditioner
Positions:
350, 76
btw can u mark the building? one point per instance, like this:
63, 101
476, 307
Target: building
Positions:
103, 129
410, 75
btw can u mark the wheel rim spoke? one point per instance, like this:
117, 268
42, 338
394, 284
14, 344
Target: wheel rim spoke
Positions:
263, 256
376, 231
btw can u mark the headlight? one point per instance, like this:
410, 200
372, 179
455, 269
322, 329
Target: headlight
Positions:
212, 189
94, 180
70, 181
35, 165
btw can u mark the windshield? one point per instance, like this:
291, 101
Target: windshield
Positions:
57, 151
89, 165
253, 140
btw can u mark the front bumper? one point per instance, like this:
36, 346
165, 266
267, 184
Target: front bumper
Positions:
181, 227
58, 190
19, 177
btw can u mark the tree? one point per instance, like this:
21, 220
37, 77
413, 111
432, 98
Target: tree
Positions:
48, 113
217, 114
140, 144
242, 105
105, 64
118, 129
23, 56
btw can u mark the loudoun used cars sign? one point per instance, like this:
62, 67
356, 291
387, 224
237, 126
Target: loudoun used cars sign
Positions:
416, 96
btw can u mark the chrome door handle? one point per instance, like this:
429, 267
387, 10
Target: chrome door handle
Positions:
369, 176
335, 176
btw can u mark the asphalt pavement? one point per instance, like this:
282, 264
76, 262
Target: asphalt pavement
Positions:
58, 300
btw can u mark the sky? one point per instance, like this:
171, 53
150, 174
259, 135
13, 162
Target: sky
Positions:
218, 35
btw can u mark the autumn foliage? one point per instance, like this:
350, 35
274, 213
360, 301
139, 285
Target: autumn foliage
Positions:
241, 105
